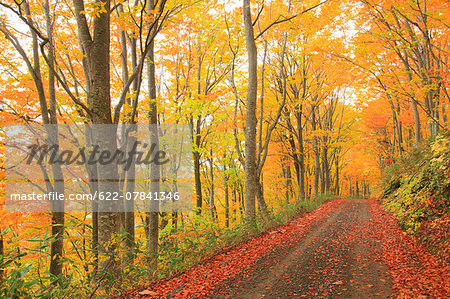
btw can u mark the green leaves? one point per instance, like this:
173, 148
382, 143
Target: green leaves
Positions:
417, 192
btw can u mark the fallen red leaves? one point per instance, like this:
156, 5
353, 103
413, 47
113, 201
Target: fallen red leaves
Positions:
436, 233
415, 272
200, 280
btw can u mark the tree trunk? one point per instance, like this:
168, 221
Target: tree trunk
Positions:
287, 183
326, 169
416, 121
399, 132
129, 220
2, 253
336, 186
93, 189
295, 157
241, 202
49, 119
235, 204
129, 174
196, 139
155, 171
227, 198
301, 155
316, 153
262, 206
251, 121
415, 109
56, 251
97, 71
350, 187
211, 189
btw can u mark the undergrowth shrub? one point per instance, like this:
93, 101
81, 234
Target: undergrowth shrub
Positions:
417, 192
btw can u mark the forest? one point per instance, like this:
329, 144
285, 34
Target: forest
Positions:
237, 129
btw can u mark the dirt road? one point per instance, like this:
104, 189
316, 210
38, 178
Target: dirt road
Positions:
336, 258
346, 248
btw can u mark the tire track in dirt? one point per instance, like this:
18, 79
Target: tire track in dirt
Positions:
337, 258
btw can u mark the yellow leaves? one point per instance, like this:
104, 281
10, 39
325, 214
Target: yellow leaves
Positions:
441, 146
35, 8
95, 9
99, 8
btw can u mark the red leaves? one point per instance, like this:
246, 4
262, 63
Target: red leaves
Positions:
201, 279
436, 233
415, 272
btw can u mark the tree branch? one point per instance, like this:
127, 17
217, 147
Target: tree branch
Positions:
278, 21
